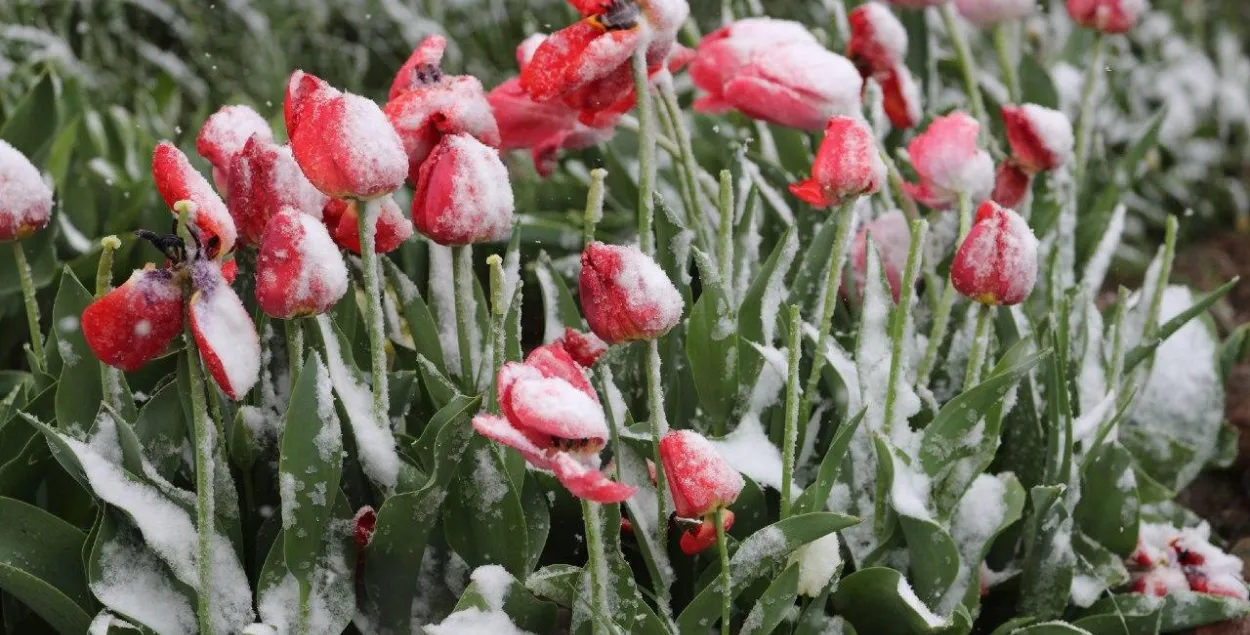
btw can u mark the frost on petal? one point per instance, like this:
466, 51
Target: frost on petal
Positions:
722, 53
587, 482
878, 40
847, 165
464, 195
555, 407
797, 85
135, 322
948, 161
553, 360
584, 348
451, 105
1041, 139
997, 262
177, 181
426, 57
25, 200
700, 479
224, 331
225, 132
299, 271
625, 295
264, 179
499, 430
390, 231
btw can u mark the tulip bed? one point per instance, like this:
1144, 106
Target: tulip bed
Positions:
748, 320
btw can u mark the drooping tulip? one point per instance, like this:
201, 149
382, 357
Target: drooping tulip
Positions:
701, 482
463, 193
224, 134
847, 165
177, 181
552, 416
264, 180
984, 13
343, 142
1168, 560
949, 163
299, 271
625, 295
892, 236
1041, 138
134, 323
392, 229
878, 40
1108, 16
25, 200
997, 261
723, 53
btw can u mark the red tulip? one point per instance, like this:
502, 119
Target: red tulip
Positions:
177, 181
265, 179
343, 142
985, 13
847, 165
625, 295
795, 85
1011, 184
1108, 16
223, 331
584, 348
552, 416
134, 323
1040, 138
701, 482
299, 271
430, 105
722, 54
392, 229
1159, 582
997, 262
25, 200
363, 524
900, 97
878, 40
892, 236
949, 163
224, 134
463, 193
1224, 585
700, 538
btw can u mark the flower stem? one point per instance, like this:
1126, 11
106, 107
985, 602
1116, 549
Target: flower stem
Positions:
844, 216
694, 211
942, 316
725, 237
598, 565
295, 346
1116, 368
646, 153
498, 314
1085, 122
366, 225
659, 426
726, 583
896, 181
789, 437
1002, 46
594, 205
462, 279
915, 251
109, 376
967, 67
32, 305
980, 344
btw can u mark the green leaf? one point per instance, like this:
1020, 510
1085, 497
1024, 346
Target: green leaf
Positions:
816, 494
557, 582
879, 601
483, 516
1191, 610
79, 391
331, 592
1142, 351
557, 298
40, 565
120, 561
162, 430
309, 468
1036, 87
809, 278
712, 344
442, 390
1108, 510
33, 122
424, 332
1235, 350
527, 612
772, 607
1049, 562
965, 527
1050, 628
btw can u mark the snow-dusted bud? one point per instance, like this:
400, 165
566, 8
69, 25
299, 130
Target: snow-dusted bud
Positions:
625, 295
997, 262
949, 163
132, 324
847, 165
878, 40
299, 271
463, 193
224, 134
1108, 16
390, 231
1011, 184
264, 179
223, 331
584, 348
1040, 138
25, 200
177, 181
701, 482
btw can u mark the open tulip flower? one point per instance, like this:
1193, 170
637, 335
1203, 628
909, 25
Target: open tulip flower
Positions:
949, 162
625, 295
223, 136
1108, 16
392, 229
425, 104
1170, 560
847, 165
552, 416
177, 181
702, 482
587, 64
997, 261
25, 200
463, 193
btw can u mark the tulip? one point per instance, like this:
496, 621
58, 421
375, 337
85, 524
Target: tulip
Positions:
702, 483
584, 348
363, 524
997, 262
878, 40
223, 331
722, 54
393, 227
797, 85
343, 142
892, 236
625, 295
552, 416
134, 323
847, 165
983, 13
264, 180
224, 134
949, 163
1108, 16
463, 193
901, 98
1040, 138
1160, 582
25, 200
299, 271
177, 181
1011, 184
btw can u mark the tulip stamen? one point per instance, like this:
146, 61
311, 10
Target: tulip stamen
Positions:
619, 15
169, 244
426, 74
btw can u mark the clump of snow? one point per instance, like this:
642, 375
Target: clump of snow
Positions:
226, 131
750, 452
771, 379
818, 562
908, 595
1052, 128
443, 303
134, 583
375, 154
493, 583
981, 511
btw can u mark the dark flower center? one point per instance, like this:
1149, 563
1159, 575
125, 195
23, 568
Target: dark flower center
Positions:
619, 15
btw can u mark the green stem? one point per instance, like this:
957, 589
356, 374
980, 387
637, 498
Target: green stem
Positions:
789, 438
598, 565
694, 211
1165, 272
659, 426
967, 67
109, 376
594, 205
32, 305
844, 216
1085, 122
462, 280
1117, 337
726, 582
498, 314
366, 225
896, 181
980, 345
915, 251
942, 315
1002, 46
725, 235
305, 613
646, 153
295, 346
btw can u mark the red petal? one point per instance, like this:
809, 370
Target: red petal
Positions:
299, 272
392, 229
695, 540
226, 131
499, 430
584, 348
589, 483
700, 479
135, 322
177, 181
224, 332
463, 193
428, 53
25, 200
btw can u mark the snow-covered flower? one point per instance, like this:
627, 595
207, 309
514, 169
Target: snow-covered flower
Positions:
997, 261
390, 231
265, 179
625, 295
425, 104
134, 323
1108, 16
949, 163
25, 200
985, 13
878, 40
1168, 560
343, 142
553, 417
177, 180
299, 271
223, 330
463, 194
892, 236
1041, 138
723, 53
701, 482
846, 166
584, 348
224, 134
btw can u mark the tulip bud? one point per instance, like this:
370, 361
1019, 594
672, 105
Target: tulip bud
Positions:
135, 322
892, 236
847, 165
1108, 16
699, 478
901, 98
878, 40
983, 13
299, 271
223, 331
177, 181
391, 230
584, 348
224, 134
997, 262
1041, 138
1011, 184
421, 66
463, 193
700, 538
722, 54
343, 142
796, 85
265, 179
25, 200
949, 163
625, 296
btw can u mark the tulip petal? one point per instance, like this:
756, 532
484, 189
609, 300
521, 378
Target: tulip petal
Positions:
224, 331
499, 430
428, 53
135, 322
586, 482
25, 200
698, 539
391, 230
700, 479
299, 272
225, 132
177, 181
